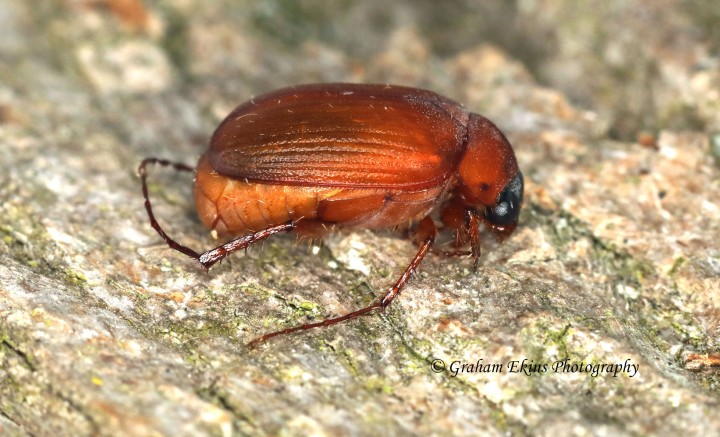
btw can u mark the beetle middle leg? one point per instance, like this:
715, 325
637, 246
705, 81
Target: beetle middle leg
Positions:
426, 232
208, 258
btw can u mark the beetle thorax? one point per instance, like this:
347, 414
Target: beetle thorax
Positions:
488, 163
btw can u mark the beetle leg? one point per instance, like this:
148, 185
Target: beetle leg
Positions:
465, 221
210, 257
473, 223
426, 231
451, 253
142, 172
454, 216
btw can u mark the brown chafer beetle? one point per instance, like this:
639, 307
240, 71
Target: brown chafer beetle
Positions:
316, 158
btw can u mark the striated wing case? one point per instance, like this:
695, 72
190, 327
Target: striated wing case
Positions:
344, 135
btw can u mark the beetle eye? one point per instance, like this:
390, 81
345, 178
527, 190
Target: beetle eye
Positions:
507, 206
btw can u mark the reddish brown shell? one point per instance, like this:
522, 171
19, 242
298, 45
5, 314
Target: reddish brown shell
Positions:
343, 135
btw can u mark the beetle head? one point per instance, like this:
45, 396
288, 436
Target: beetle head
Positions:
490, 180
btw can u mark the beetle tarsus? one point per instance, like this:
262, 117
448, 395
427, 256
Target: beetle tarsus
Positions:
474, 232
427, 228
450, 253
323, 323
142, 173
208, 258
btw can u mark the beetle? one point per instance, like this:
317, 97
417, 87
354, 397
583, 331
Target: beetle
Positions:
317, 158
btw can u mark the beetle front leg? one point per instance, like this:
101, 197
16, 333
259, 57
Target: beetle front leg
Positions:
473, 221
466, 223
427, 232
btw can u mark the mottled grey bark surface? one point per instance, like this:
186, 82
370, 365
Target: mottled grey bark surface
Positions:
614, 112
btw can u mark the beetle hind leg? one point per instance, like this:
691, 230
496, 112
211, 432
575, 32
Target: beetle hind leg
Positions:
427, 232
209, 258
142, 173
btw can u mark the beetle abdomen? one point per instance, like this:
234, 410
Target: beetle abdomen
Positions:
234, 207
